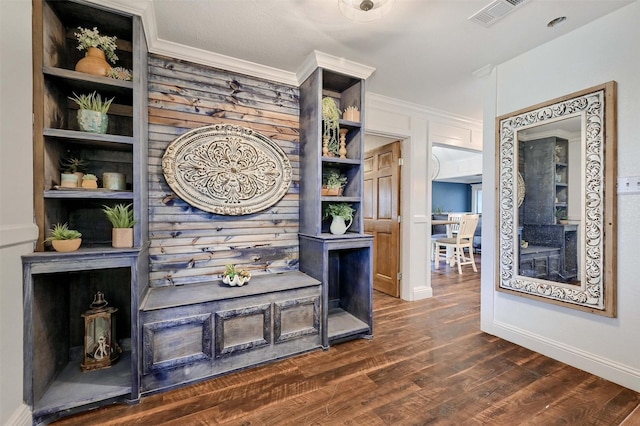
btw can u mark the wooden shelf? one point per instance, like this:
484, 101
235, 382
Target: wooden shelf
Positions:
73, 388
95, 139
96, 194
342, 324
88, 81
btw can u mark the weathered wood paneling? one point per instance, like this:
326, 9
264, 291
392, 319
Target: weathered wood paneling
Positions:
189, 245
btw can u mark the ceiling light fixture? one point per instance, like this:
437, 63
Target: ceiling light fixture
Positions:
365, 10
557, 21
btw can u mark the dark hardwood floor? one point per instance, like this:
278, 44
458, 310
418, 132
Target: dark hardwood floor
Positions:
428, 363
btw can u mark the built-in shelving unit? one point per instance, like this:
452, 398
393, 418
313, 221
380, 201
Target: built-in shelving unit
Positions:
552, 251
341, 262
59, 287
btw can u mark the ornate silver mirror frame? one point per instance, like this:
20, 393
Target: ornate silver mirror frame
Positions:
594, 287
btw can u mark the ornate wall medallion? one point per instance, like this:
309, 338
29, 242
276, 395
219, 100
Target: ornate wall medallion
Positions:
227, 169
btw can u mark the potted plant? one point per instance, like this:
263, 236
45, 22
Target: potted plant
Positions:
330, 127
72, 172
351, 114
89, 181
334, 183
121, 217
120, 73
92, 113
99, 48
339, 214
561, 215
235, 277
64, 239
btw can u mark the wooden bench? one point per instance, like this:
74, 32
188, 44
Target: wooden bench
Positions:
202, 330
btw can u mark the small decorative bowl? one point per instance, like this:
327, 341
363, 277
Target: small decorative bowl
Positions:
236, 281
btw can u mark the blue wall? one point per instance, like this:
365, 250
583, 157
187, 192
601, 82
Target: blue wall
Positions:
451, 197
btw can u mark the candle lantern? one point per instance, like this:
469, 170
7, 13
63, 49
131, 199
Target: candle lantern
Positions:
100, 347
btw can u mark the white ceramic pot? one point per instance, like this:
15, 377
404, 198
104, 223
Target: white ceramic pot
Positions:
338, 226
236, 281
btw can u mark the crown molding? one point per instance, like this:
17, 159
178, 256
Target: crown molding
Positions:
393, 104
319, 59
215, 60
145, 9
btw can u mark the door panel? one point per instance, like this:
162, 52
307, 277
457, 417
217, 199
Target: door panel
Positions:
382, 208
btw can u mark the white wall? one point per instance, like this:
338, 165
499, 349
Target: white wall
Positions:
17, 231
605, 50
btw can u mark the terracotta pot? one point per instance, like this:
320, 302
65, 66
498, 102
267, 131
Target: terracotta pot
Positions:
122, 237
333, 191
89, 183
66, 245
94, 62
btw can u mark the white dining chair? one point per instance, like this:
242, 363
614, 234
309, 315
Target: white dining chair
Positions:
452, 249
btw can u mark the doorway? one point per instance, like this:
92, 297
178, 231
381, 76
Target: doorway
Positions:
382, 180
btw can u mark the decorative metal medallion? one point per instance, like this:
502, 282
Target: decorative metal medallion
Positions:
590, 294
227, 169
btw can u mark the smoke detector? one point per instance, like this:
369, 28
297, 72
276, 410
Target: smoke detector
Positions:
493, 12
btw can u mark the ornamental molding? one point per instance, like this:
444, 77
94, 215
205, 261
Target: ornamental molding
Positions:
227, 169
591, 291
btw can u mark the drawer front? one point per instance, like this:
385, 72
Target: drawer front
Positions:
242, 329
295, 318
175, 342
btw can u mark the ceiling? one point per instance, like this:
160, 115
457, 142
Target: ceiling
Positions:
424, 51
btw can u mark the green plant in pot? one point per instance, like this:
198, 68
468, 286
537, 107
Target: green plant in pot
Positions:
334, 183
235, 276
122, 219
340, 213
64, 239
72, 172
89, 181
330, 128
98, 48
92, 113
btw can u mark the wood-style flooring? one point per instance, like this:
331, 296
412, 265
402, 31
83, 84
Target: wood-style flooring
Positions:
428, 363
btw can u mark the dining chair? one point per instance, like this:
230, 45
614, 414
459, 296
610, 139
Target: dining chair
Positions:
451, 229
453, 248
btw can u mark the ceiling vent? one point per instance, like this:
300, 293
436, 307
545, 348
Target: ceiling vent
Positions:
495, 11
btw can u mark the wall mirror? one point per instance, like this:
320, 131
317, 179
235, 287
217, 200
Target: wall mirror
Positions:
557, 201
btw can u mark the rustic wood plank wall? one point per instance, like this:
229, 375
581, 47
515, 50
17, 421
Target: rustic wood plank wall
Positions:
189, 245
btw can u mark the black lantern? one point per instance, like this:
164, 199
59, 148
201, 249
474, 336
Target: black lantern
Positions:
100, 347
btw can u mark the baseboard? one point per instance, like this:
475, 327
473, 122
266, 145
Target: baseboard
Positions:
21, 417
607, 369
422, 292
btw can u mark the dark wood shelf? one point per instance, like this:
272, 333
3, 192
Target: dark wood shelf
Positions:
341, 324
75, 81
95, 139
340, 199
94, 194
73, 387
337, 161
350, 124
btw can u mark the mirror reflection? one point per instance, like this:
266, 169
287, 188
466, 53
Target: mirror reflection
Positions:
550, 202
556, 200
